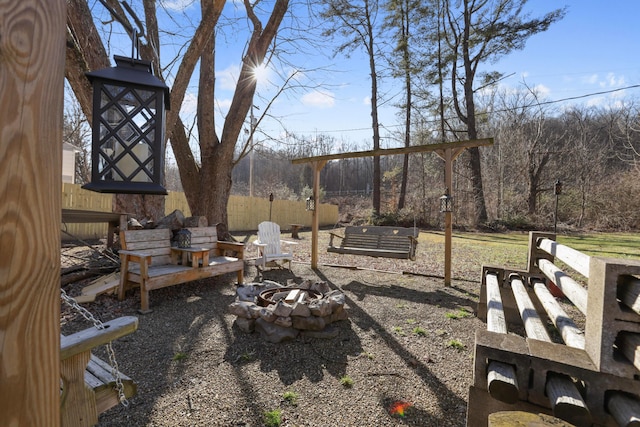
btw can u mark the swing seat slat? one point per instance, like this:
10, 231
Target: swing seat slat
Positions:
87, 382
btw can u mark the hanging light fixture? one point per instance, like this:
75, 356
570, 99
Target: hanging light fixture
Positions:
129, 103
311, 203
446, 202
127, 150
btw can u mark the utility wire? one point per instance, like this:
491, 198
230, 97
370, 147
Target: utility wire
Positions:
557, 101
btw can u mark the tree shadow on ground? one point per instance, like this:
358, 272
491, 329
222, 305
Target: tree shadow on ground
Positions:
447, 400
440, 297
304, 357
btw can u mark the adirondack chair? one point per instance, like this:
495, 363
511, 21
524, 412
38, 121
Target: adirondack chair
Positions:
270, 247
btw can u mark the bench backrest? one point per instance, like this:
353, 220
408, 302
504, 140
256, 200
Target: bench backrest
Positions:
204, 237
608, 280
373, 237
156, 242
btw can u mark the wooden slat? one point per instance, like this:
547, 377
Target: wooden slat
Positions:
501, 377
572, 289
573, 258
629, 292
89, 338
532, 323
564, 397
571, 334
495, 312
566, 401
625, 409
630, 347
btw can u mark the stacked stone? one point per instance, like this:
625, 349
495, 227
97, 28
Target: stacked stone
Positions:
281, 320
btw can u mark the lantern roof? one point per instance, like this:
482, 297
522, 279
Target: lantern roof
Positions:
134, 71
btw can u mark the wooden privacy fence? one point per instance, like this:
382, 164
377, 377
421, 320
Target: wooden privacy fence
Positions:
244, 213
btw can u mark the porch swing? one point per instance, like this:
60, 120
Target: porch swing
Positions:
89, 385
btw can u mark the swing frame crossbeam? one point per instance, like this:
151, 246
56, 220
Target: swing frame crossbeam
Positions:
448, 151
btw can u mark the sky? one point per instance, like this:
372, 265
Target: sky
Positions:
594, 49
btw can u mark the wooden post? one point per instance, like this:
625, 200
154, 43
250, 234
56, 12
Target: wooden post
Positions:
32, 52
448, 226
315, 223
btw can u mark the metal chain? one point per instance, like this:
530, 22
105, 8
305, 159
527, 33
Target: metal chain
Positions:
112, 356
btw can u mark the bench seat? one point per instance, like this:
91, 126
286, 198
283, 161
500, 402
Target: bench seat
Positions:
147, 260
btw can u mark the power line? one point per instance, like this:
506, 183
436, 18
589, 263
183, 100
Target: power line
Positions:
557, 101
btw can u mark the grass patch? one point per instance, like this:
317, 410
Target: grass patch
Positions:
455, 344
346, 381
419, 331
398, 330
291, 397
179, 356
411, 321
460, 314
273, 418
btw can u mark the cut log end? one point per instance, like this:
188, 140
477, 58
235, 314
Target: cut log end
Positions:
502, 383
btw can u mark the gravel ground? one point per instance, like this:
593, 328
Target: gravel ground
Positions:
409, 340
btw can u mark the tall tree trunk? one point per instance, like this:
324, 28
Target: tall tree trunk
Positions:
377, 178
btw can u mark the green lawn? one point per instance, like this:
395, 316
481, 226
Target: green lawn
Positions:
510, 249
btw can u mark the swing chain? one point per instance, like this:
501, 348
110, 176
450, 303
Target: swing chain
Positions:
115, 372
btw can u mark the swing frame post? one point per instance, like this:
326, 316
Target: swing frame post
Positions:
30, 210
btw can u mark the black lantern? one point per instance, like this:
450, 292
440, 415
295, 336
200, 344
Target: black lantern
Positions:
557, 187
127, 151
184, 238
311, 203
446, 203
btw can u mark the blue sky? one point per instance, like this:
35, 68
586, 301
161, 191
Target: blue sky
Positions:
593, 49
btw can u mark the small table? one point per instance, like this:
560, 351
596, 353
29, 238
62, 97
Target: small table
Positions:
197, 254
294, 230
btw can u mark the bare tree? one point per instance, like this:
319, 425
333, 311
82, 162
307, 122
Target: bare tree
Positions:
477, 32
356, 22
206, 180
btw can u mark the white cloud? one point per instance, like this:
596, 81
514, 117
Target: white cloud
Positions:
592, 79
189, 104
615, 81
542, 90
228, 78
366, 100
319, 99
177, 4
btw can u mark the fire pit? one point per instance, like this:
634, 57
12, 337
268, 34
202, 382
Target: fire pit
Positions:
288, 295
281, 313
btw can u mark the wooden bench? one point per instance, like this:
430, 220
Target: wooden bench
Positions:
585, 376
386, 242
148, 260
88, 385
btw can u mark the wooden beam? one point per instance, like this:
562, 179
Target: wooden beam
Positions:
501, 377
32, 54
395, 151
315, 225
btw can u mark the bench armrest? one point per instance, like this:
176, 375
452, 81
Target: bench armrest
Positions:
135, 256
92, 337
231, 246
331, 236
